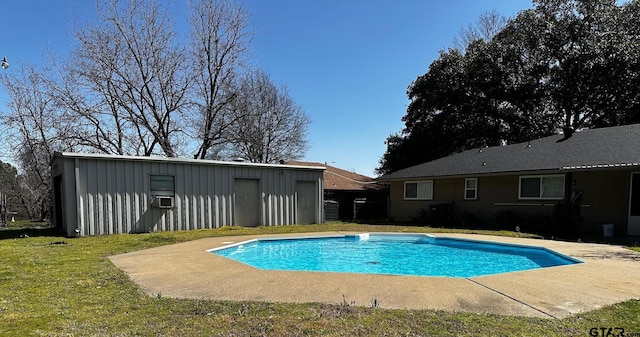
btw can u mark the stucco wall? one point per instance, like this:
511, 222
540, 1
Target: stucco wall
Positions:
605, 196
491, 191
605, 199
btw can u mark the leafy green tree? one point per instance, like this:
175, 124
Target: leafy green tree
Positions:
462, 102
583, 48
563, 65
10, 189
8, 178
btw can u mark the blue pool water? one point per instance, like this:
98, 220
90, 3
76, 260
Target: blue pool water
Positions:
392, 254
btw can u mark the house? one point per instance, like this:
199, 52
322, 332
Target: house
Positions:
104, 194
570, 184
351, 196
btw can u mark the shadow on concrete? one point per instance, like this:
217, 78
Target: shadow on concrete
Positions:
628, 241
628, 255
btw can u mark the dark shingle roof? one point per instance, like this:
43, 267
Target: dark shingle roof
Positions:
594, 148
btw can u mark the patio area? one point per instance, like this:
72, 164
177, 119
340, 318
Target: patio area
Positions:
609, 274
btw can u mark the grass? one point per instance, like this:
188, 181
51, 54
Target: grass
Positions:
57, 286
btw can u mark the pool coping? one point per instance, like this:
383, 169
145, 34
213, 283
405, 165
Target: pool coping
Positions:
608, 274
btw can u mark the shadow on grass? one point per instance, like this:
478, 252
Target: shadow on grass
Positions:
32, 229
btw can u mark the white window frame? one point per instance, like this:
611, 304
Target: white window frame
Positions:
474, 189
540, 196
429, 190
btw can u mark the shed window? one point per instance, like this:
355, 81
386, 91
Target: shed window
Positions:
542, 187
162, 185
418, 190
471, 188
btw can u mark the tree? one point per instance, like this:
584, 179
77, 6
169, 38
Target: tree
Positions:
582, 47
218, 44
36, 135
271, 127
488, 25
8, 178
9, 189
126, 86
134, 90
630, 53
564, 65
131, 86
464, 101
446, 112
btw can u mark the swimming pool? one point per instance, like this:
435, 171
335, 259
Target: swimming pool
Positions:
392, 254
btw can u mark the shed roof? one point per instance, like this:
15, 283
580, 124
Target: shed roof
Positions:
588, 149
338, 179
180, 160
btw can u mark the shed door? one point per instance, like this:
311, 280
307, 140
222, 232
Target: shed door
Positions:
247, 202
57, 202
306, 202
633, 227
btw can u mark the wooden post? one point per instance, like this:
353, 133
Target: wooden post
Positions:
3, 210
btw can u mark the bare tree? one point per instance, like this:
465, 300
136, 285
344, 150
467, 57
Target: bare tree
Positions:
94, 114
130, 87
219, 42
489, 24
271, 126
127, 87
35, 134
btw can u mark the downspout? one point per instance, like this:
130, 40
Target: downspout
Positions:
80, 230
320, 187
568, 187
568, 205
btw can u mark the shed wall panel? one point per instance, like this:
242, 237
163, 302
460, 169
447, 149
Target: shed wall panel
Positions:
106, 196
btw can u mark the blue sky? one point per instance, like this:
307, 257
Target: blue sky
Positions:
348, 63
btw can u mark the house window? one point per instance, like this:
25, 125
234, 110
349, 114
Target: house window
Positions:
471, 188
162, 185
418, 190
542, 187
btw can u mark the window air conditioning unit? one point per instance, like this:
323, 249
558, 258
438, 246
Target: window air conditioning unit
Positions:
162, 202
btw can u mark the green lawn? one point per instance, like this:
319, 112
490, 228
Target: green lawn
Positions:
56, 286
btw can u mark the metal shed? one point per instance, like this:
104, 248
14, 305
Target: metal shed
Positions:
105, 194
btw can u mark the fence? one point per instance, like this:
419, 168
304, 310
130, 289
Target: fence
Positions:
331, 210
369, 209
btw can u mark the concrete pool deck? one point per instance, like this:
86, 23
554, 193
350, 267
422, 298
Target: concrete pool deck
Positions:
609, 274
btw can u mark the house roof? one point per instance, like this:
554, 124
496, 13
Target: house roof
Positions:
339, 179
588, 149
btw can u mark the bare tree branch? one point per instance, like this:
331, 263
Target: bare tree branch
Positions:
271, 126
128, 79
33, 118
218, 45
489, 24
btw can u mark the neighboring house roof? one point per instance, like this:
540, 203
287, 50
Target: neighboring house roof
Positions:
588, 149
339, 179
